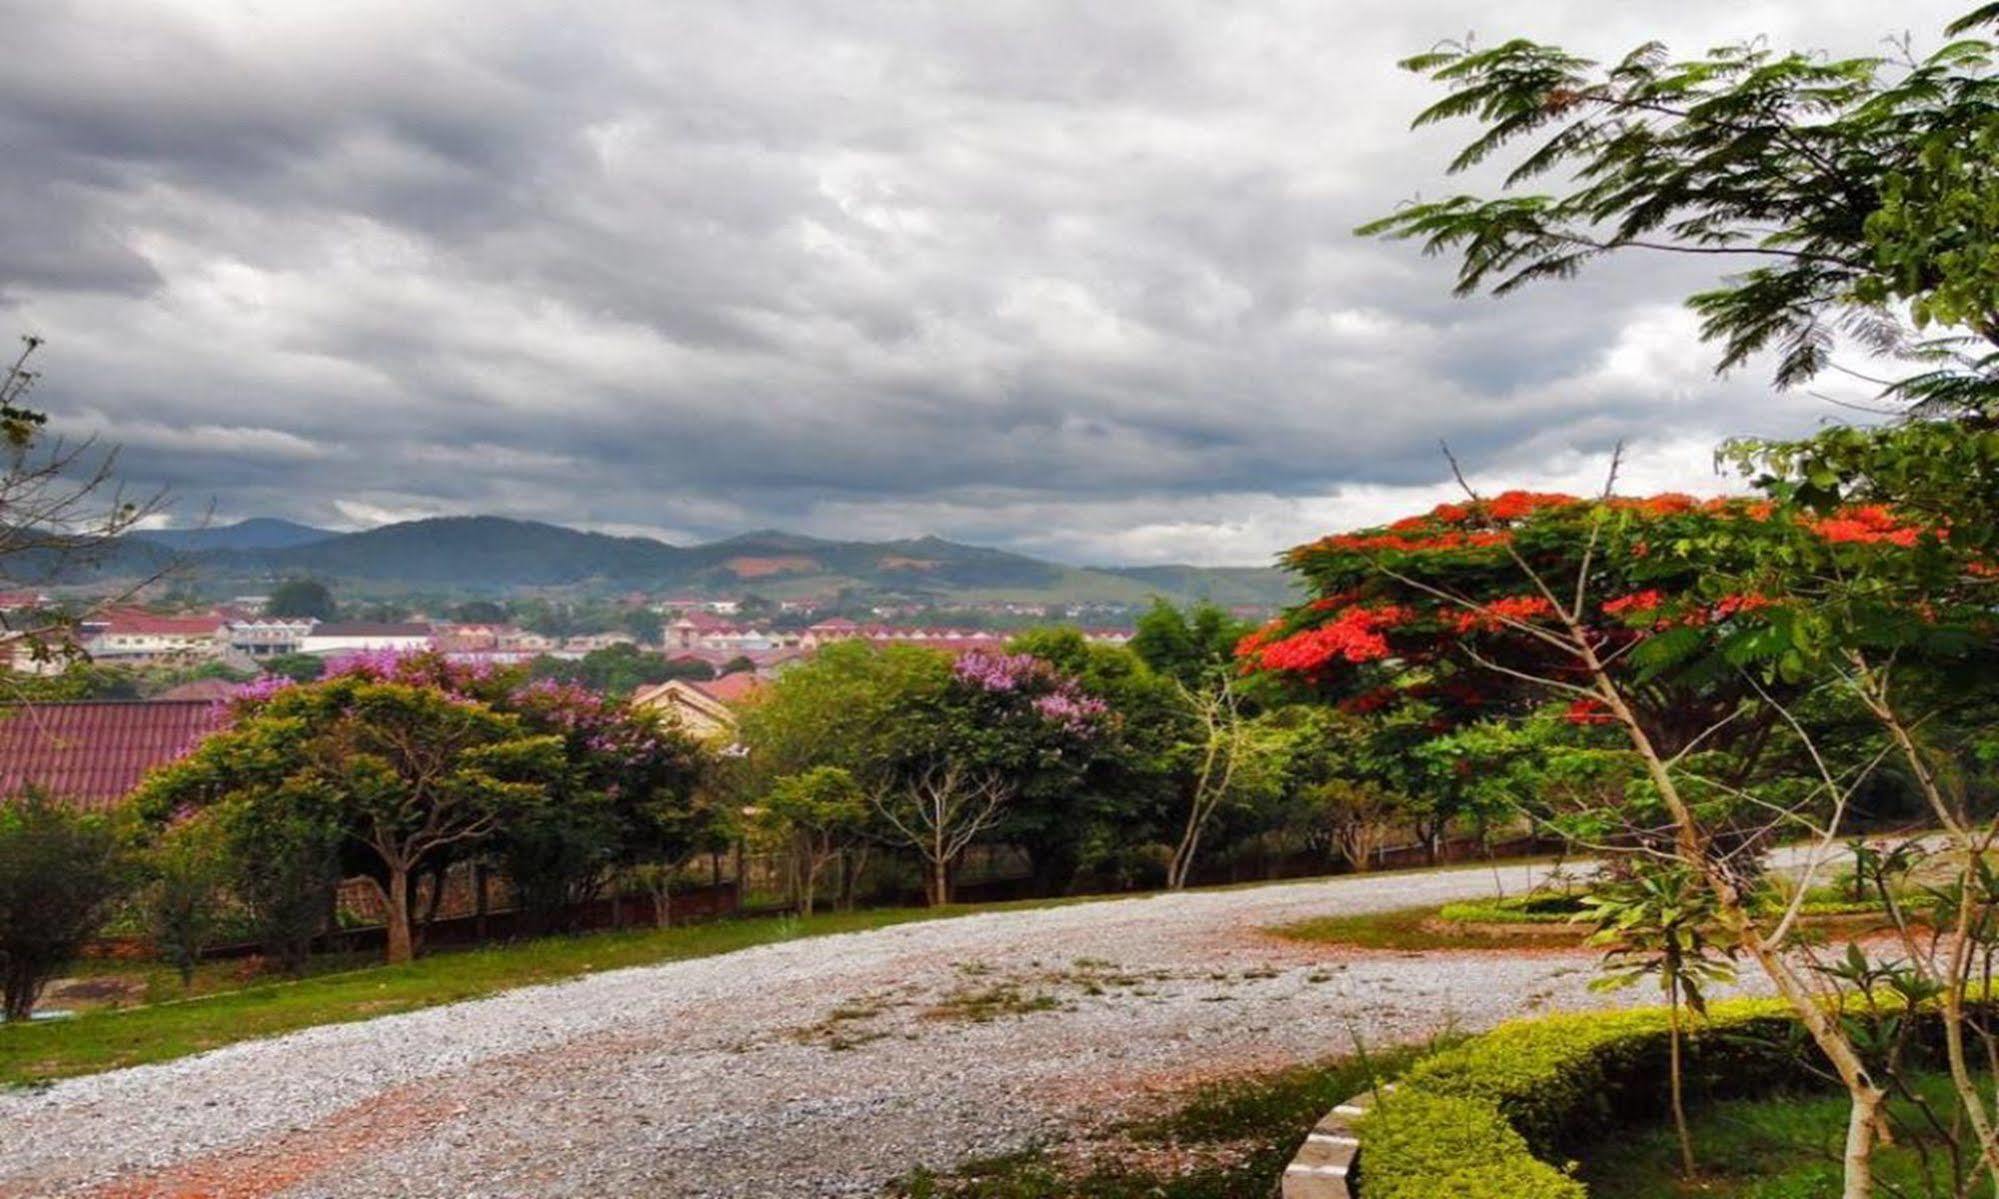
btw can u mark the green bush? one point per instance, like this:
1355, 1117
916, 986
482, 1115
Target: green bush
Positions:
1560, 1079
61, 873
1483, 1119
1421, 1145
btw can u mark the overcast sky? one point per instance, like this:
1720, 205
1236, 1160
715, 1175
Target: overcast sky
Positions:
1074, 279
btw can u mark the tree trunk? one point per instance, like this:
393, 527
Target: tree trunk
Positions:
23, 986
940, 883
1862, 1121
1673, 1074
481, 905
401, 947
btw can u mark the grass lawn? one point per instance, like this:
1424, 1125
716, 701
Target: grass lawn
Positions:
1784, 1146
1227, 1140
105, 1040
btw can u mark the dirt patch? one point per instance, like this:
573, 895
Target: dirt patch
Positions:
757, 568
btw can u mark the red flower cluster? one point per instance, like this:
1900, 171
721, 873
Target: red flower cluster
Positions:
1587, 711
1355, 635
1868, 525
1638, 603
1512, 505
1730, 605
1403, 543
1495, 615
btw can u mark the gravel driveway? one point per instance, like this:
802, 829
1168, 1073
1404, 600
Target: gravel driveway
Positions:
816, 1067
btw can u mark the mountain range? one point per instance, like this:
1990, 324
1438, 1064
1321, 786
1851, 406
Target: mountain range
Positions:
491, 553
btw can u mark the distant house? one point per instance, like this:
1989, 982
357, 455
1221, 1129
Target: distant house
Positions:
138, 637
266, 638
706, 709
343, 637
94, 754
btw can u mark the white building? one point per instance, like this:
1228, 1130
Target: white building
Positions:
345, 637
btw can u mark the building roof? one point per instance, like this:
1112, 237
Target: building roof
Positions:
145, 623
730, 688
94, 754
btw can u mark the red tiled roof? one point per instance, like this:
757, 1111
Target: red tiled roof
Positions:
731, 688
134, 623
94, 754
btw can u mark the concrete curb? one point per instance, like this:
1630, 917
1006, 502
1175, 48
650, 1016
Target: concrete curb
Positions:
1324, 1163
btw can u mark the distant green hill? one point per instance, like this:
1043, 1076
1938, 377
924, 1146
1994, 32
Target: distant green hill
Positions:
491, 552
257, 533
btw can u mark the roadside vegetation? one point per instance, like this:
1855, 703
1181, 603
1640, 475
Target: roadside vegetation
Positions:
92, 1041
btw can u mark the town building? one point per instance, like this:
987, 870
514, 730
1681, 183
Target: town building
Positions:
266, 638
342, 637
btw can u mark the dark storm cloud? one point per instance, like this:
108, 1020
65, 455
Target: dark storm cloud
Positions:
1077, 281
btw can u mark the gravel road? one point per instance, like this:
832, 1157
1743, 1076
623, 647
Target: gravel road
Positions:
815, 1067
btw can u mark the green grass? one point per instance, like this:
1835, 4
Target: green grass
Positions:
1413, 929
106, 1040
1225, 1140
1784, 1146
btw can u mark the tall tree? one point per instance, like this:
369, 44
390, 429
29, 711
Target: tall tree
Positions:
301, 599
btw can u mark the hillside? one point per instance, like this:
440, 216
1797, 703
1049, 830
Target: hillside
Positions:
257, 533
490, 552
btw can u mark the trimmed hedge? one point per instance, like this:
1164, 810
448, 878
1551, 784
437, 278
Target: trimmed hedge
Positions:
1421, 1146
1482, 1120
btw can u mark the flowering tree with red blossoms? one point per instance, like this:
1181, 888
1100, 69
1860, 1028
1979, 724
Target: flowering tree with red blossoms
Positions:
1437, 608
1686, 625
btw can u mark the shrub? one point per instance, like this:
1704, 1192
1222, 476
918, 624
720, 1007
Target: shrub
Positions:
1560, 1079
61, 871
1483, 1119
1421, 1145
184, 897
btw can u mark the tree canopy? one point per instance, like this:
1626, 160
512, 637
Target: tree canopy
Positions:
1857, 196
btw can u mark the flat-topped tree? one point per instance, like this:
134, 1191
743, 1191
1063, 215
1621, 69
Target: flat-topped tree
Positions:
1436, 608
414, 776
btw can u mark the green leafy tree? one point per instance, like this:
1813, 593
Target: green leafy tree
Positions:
285, 846
1192, 645
1857, 195
1087, 809
480, 612
645, 625
816, 815
185, 898
299, 668
301, 599
61, 873
419, 778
